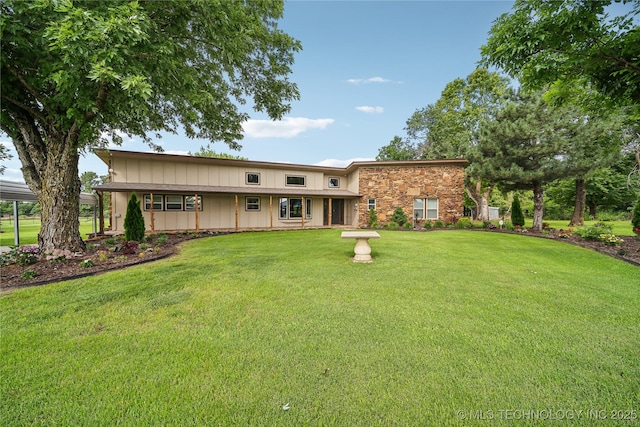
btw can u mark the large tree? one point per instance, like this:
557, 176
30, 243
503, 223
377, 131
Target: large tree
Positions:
522, 148
544, 42
449, 127
76, 71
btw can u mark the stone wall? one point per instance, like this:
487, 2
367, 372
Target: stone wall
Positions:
394, 186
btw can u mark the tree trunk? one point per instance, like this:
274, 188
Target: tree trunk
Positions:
50, 169
480, 198
59, 200
538, 206
581, 200
592, 210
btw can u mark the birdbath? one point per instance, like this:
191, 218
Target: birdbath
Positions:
362, 249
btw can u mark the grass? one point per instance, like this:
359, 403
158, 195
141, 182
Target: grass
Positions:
29, 229
440, 326
619, 228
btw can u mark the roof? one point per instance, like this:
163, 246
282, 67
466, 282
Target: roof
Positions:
206, 189
105, 155
20, 192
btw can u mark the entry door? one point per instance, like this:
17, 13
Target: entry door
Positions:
337, 211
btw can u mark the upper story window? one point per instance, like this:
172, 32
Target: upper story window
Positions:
253, 178
298, 180
334, 182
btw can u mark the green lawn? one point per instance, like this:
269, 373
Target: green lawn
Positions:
29, 229
442, 327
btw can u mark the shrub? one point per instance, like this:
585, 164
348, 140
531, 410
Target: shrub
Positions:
464, 223
517, 217
438, 224
635, 219
133, 220
129, 248
399, 217
59, 255
427, 224
28, 274
407, 225
593, 232
161, 239
393, 225
24, 255
610, 239
373, 218
86, 263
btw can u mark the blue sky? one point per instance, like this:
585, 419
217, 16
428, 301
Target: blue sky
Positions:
365, 67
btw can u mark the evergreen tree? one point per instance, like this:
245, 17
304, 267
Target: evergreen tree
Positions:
133, 220
522, 148
399, 217
635, 221
517, 217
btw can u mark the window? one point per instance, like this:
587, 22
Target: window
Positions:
291, 208
157, 202
372, 204
308, 209
190, 203
432, 208
253, 178
297, 180
173, 203
334, 182
425, 209
284, 203
252, 203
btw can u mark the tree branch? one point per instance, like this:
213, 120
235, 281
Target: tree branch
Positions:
25, 107
29, 88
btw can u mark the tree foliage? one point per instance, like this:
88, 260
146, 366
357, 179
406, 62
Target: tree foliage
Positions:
133, 220
635, 220
211, 153
77, 74
522, 147
398, 149
570, 44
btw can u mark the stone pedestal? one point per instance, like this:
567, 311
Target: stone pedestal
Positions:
362, 249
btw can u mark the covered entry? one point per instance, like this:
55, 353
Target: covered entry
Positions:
334, 211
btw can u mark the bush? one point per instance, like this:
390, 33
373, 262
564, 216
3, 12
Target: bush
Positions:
399, 217
393, 225
408, 226
427, 224
373, 218
635, 219
594, 232
517, 217
133, 221
24, 255
464, 223
162, 239
438, 224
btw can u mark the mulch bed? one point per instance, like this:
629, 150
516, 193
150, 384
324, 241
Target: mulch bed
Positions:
11, 276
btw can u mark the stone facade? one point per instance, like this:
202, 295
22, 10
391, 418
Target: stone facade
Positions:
398, 186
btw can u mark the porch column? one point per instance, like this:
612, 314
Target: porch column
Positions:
101, 211
330, 213
16, 226
303, 211
151, 211
270, 211
236, 212
197, 213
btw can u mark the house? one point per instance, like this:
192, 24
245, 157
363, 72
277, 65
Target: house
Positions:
180, 192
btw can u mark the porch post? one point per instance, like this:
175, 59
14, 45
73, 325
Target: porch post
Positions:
101, 211
330, 213
303, 212
151, 211
197, 214
236, 212
16, 226
270, 211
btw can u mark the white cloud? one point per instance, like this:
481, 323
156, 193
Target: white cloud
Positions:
285, 128
367, 109
369, 80
335, 163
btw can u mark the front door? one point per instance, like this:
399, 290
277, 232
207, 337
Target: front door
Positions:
337, 211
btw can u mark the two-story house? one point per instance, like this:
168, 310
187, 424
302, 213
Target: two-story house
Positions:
180, 192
